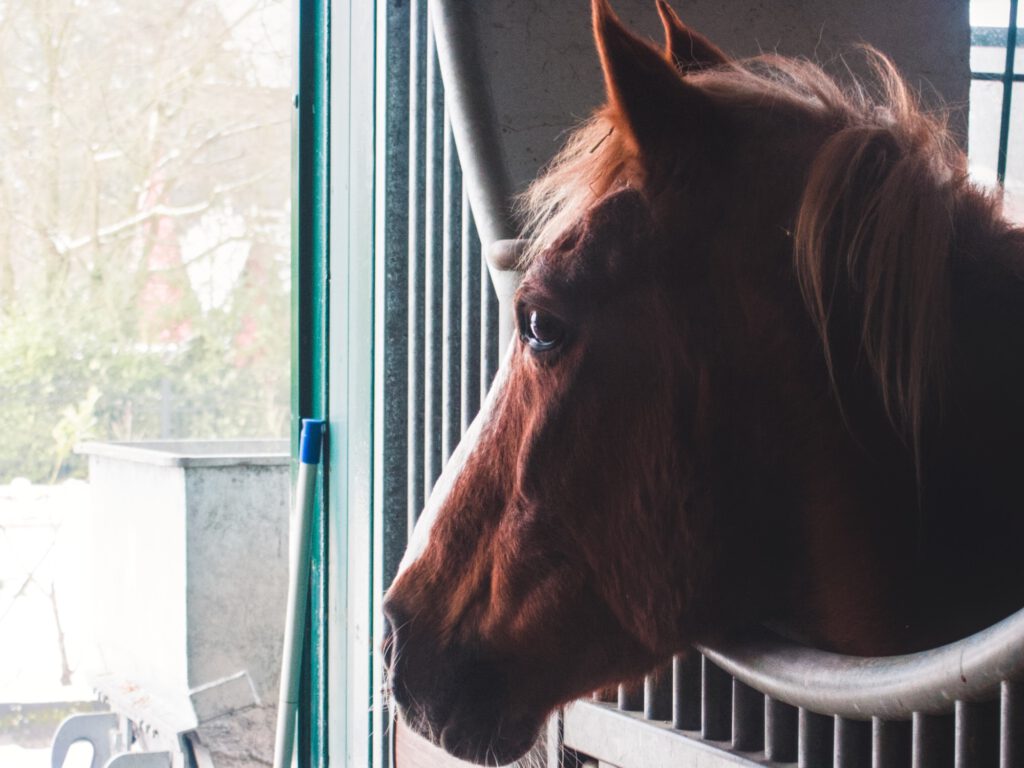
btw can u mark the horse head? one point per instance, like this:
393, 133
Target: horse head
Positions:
633, 483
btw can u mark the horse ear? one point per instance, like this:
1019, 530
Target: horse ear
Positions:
645, 92
685, 48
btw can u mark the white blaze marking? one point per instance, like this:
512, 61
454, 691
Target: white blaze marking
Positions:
420, 537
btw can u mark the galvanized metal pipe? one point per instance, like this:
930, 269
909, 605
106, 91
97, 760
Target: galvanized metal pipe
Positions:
631, 697
892, 687
716, 702
658, 694
851, 743
890, 743
976, 735
1011, 725
747, 718
434, 269
416, 362
474, 118
686, 691
814, 740
780, 731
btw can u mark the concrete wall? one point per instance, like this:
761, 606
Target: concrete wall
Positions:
546, 76
190, 552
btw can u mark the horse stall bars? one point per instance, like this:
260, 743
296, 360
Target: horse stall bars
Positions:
434, 296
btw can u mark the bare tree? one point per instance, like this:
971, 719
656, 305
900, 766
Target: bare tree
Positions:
143, 219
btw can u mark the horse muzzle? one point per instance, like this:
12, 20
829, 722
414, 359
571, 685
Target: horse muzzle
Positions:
454, 697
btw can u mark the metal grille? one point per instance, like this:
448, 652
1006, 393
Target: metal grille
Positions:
452, 307
695, 701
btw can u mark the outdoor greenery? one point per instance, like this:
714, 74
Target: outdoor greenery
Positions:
144, 224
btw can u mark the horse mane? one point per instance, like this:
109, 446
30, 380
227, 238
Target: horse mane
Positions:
874, 231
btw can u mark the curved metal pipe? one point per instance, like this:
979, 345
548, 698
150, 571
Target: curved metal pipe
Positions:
474, 121
891, 687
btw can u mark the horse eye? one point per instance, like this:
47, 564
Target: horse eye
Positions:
543, 331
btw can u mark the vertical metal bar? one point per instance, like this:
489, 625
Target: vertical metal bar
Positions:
469, 388
814, 740
1011, 725
890, 743
417, 247
716, 702
976, 735
658, 694
747, 718
554, 731
451, 313
780, 731
391, 337
392, 289
488, 331
852, 743
686, 691
931, 741
432, 413
631, 696
1004, 120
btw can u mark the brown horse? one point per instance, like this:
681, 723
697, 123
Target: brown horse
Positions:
769, 366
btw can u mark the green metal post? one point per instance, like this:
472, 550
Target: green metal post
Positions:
310, 339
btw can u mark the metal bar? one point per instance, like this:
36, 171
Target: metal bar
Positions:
976, 735
686, 691
851, 743
477, 129
391, 334
631, 696
1004, 119
716, 702
931, 741
391, 343
1011, 725
890, 743
747, 718
814, 740
298, 586
451, 313
998, 76
416, 250
432, 413
625, 740
469, 388
488, 332
658, 694
780, 731
892, 687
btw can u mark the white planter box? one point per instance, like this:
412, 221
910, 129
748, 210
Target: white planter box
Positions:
191, 565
